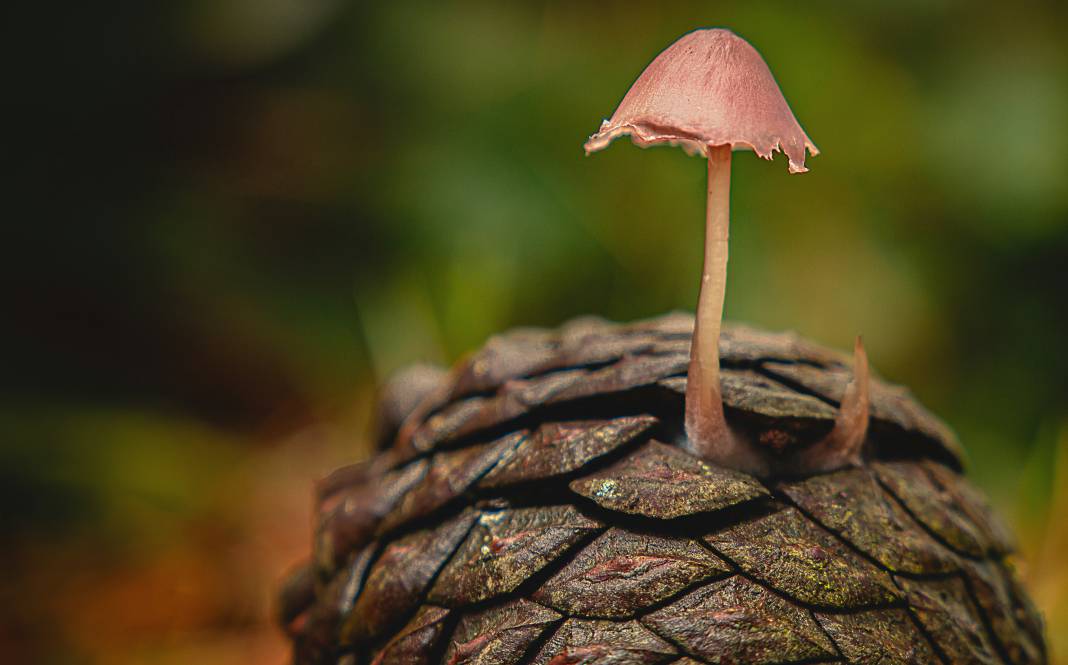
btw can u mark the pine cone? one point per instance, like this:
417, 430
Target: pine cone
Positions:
534, 508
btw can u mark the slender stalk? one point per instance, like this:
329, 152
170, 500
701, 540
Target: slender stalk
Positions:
706, 427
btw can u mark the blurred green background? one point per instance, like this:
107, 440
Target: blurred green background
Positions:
229, 218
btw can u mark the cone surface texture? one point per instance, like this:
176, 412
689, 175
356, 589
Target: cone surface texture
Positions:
535, 507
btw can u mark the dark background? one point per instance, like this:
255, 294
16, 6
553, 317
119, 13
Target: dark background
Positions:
225, 220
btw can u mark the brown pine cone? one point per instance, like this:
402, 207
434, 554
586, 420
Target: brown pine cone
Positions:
533, 507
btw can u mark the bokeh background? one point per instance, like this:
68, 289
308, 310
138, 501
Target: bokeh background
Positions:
227, 219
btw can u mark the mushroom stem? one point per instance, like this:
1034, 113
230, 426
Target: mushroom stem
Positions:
706, 426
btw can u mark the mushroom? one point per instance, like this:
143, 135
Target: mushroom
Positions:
710, 93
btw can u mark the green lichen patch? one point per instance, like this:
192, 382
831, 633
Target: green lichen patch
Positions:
852, 504
794, 556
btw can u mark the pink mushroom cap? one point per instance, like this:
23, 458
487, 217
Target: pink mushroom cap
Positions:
709, 88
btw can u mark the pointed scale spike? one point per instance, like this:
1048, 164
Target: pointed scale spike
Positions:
842, 445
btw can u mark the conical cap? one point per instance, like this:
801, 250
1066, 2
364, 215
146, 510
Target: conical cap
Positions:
709, 88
